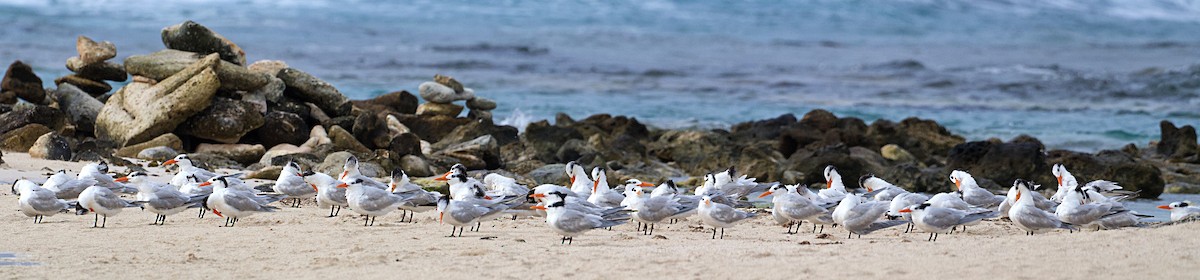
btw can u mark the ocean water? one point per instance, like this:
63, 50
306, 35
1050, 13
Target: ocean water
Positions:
1082, 75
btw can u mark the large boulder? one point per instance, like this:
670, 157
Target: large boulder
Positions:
166, 140
1131, 173
242, 153
438, 93
399, 102
344, 141
768, 129
25, 114
141, 111
193, 37
1021, 158
502, 133
282, 127
165, 63
308, 88
107, 70
21, 81
811, 164
479, 153
372, 130
225, 121
432, 128
334, 161
21, 139
544, 140
405, 144
550, 174
51, 146
1179, 143
925, 139
80, 107
439, 109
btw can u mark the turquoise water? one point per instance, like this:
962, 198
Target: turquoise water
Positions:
1081, 75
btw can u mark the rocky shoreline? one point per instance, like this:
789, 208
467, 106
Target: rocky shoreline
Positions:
200, 96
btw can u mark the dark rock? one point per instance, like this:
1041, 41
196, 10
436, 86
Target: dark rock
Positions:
225, 121
193, 37
266, 173
80, 107
242, 153
1179, 143
8, 98
432, 128
405, 144
416, 166
91, 52
166, 140
282, 127
91, 87
51, 146
439, 109
305, 160
344, 141
1131, 173
23, 115
549, 174
103, 71
812, 164
576, 150
343, 121
768, 129
308, 88
923, 138
1001, 162
20, 80
165, 63
544, 139
21, 139
479, 115
914, 178
399, 102
293, 106
372, 130
480, 103
502, 133
213, 161
449, 82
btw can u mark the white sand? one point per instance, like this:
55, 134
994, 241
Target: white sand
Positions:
303, 243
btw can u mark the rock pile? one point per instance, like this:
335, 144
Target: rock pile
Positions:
92, 67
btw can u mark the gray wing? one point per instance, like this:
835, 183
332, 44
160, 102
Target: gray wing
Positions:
866, 213
44, 200
420, 197
578, 222
244, 202
799, 209
942, 217
377, 200
294, 186
726, 214
168, 198
110, 200
880, 225
71, 188
1036, 218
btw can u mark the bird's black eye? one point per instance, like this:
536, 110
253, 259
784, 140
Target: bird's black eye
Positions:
1183, 204
359, 181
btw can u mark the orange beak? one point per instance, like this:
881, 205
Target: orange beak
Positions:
708, 202
122, 179
1059, 180
391, 187
595, 185
572, 179
538, 207
537, 195
314, 187
218, 213
958, 183
765, 194
445, 177
1018, 196
342, 186
440, 215
905, 210
205, 184
644, 184
344, 173
828, 184
1164, 207
169, 162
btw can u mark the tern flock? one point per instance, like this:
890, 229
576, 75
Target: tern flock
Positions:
588, 202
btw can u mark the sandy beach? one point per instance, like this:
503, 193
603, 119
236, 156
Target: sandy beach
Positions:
303, 243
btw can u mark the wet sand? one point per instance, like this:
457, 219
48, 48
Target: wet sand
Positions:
302, 243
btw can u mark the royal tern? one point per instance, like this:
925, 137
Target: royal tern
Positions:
652, 210
370, 201
790, 205
193, 188
1182, 211
65, 186
662, 190
187, 168
734, 186
1076, 210
500, 185
938, 220
902, 201
416, 199
328, 194
834, 189
720, 216
1025, 214
161, 199
859, 217
37, 202
972, 193
602, 195
883, 190
1098, 190
1039, 201
102, 201
580, 183
351, 173
291, 183
233, 203
461, 213
570, 223
99, 173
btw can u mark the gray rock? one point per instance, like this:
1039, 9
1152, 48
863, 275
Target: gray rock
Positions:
344, 141
438, 93
241, 153
20, 80
549, 174
225, 121
334, 161
95, 88
308, 88
416, 166
193, 37
272, 91
80, 107
405, 144
140, 111
51, 146
894, 152
1179, 143
266, 173
92, 52
107, 70
439, 109
449, 82
399, 102
269, 67
166, 140
479, 115
162, 64
479, 153
480, 103
24, 113
159, 153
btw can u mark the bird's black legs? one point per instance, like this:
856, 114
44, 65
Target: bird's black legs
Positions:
95, 219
